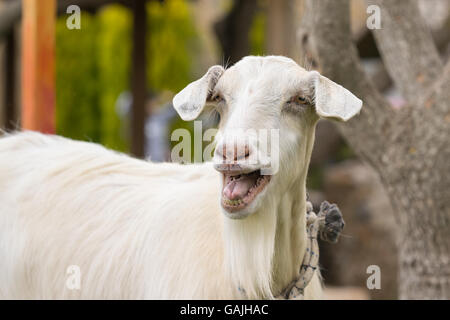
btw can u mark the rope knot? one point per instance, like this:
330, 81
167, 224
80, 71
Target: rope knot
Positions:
328, 224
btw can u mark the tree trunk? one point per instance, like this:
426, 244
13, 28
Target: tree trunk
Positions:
423, 229
408, 147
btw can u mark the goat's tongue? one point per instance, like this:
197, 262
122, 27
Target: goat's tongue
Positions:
238, 189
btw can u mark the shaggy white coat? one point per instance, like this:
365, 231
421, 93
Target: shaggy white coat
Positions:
139, 230
135, 229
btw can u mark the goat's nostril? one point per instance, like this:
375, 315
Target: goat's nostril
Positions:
240, 154
233, 153
222, 152
246, 152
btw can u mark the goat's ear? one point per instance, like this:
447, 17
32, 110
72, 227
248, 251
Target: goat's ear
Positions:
190, 101
332, 100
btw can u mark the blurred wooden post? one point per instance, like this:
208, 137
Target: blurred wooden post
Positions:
38, 65
10, 82
281, 35
139, 78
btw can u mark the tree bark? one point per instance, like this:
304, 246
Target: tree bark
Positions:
408, 147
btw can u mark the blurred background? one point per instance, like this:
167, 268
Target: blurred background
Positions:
112, 82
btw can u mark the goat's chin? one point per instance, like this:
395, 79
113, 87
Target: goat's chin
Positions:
244, 212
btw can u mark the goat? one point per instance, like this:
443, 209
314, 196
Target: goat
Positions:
141, 230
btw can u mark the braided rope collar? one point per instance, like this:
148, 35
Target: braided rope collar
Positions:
328, 224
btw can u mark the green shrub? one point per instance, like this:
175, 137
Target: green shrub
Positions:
170, 46
93, 66
77, 109
114, 45
257, 34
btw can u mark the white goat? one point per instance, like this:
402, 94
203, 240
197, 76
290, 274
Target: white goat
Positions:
139, 230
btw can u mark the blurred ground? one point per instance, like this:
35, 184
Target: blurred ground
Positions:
345, 293
369, 234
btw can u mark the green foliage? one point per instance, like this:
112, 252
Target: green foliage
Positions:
315, 178
93, 66
170, 45
114, 60
92, 69
316, 172
77, 111
345, 152
257, 34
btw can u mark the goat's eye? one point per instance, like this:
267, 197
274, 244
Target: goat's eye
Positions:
297, 103
217, 98
299, 99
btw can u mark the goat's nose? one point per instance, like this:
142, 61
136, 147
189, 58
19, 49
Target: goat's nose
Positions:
233, 152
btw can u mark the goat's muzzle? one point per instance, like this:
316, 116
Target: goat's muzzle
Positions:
241, 188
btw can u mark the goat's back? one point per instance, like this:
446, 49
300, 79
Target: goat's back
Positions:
135, 229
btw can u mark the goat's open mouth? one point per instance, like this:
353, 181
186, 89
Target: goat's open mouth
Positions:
239, 190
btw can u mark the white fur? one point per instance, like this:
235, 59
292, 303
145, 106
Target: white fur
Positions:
140, 230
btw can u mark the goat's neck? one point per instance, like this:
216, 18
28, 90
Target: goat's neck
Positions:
290, 237
263, 252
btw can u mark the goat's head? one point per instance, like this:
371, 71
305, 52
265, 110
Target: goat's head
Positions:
269, 107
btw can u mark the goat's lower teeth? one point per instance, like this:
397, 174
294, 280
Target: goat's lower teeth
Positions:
232, 202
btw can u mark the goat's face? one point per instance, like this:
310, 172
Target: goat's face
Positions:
268, 107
